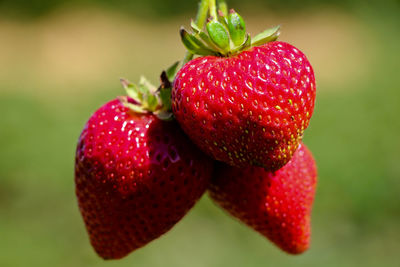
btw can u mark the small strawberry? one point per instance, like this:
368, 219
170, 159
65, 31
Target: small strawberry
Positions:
276, 204
136, 175
244, 107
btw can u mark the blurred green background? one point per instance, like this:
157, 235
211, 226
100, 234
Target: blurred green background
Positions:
60, 60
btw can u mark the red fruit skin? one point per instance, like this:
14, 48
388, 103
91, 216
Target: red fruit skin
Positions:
136, 176
275, 204
249, 109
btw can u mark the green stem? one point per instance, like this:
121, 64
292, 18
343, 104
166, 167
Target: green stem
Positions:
223, 7
213, 9
202, 14
200, 21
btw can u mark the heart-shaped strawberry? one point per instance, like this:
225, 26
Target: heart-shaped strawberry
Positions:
249, 109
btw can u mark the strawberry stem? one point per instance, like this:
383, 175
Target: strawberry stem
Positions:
202, 14
201, 18
223, 7
213, 9
225, 34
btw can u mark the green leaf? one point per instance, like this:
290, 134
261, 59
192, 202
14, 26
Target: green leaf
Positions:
206, 39
143, 96
165, 97
146, 92
172, 70
125, 83
194, 27
266, 36
136, 108
147, 84
246, 44
194, 45
151, 102
223, 19
218, 34
198, 42
132, 90
236, 27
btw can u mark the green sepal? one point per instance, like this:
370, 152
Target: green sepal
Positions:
148, 86
194, 45
206, 39
137, 108
203, 36
194, 27
132, 90
164, 91
236, 27
164, 96
172, 70
225, 34
266, 36
147, 90
245, 45
143, 95
198, 42
150, 102
218, 34
223, 19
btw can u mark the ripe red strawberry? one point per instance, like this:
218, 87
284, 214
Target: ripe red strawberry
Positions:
136, 176
276, 204
248, 109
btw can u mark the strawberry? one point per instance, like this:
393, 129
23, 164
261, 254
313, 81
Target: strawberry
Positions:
275, 204
244, 107
136, 176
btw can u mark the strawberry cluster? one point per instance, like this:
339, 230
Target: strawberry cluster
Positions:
229, 122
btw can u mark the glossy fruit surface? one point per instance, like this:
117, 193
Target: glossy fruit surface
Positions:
249, 109
136, 176
275, 204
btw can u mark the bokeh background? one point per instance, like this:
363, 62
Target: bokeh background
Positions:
60, 60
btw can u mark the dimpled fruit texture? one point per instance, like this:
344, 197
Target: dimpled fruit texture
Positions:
249, 109
277, 205
136, 176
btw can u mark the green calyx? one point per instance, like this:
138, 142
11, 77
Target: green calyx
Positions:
224, 35
146, 98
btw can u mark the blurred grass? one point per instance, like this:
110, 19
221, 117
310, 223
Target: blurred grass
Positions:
57, 71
